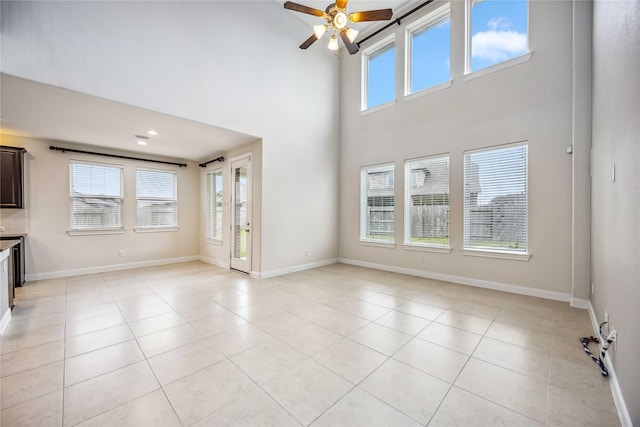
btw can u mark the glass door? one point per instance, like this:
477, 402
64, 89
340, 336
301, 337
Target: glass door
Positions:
241, 215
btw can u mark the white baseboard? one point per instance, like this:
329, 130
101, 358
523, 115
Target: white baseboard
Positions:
214, 262
616, 391
506, 287
107, 268
293, 269
5, 321
579, 303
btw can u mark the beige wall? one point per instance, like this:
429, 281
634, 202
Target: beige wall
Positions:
616, 204
531, 101
51, 251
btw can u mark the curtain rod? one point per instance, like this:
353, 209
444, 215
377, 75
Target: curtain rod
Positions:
219, 159
395, 21
64, 150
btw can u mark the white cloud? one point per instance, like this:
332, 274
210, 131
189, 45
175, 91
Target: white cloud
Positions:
499, 23
498, 46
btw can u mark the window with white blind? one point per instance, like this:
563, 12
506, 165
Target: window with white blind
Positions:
495, 199
156, 198
96, 196
377, 204
426, 211
214, 190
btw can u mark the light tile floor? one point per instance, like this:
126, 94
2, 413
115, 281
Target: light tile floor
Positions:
193, 344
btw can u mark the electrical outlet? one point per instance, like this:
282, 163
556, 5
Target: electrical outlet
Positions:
121, 253
3, 228
306, 252
421, 258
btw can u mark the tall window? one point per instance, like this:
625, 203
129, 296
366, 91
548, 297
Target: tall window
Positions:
156, 198
379, 74
429, 51
214, 191
377, 204
427, 202
495, 199
497, 30
96, 196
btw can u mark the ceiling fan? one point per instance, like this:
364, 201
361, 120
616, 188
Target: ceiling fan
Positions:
337, 18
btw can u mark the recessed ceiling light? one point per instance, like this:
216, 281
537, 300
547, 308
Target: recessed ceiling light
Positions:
152, 132
141, 142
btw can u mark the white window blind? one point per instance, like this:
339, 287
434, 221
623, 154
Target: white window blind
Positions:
377, 204
495, 199
426, 213
214, 183
96, 196
156, 198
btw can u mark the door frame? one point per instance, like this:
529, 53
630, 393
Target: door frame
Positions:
239, 264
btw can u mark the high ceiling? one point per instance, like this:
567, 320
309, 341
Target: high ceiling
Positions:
39, 110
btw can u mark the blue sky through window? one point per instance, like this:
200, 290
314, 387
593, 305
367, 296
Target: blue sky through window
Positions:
430, 56
381, 79
498, 31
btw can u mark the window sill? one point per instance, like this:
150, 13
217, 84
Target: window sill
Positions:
422, 248
378, 107
427, 91
155, 229
217, 242
496, 254
96, 232
497, 67
377, 244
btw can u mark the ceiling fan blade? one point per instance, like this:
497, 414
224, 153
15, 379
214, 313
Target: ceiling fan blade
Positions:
351, 47
308, 42
304, 9
341, 4
371, 15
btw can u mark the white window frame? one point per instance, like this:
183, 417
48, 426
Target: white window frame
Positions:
364, 195
212, 208
145, 228
408, 204
499, 65
377, 48
432, 19
522, 255
99, 230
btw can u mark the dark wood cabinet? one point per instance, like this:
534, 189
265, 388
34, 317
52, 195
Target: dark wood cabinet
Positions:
11, 176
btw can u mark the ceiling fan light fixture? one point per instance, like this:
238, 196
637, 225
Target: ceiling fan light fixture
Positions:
352, 34
319, 30
340, 20
333, 43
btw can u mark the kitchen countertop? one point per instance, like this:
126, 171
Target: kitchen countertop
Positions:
5, 236
7, 244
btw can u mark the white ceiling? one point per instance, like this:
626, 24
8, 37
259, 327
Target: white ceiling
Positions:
34, 109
